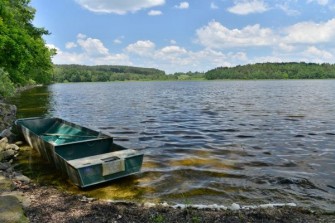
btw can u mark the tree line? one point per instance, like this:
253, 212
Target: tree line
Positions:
24, 57
103, 73
290, 70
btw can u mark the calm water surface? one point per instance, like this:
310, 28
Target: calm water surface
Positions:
250, 142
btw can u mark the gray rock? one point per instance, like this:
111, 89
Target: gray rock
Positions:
7, 154
4, 166
22, 178
3, 143
12, 147
19, 143
6, 133
25, 201
5, 184
11, 210
7, 115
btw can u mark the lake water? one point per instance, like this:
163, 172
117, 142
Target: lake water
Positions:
213, 142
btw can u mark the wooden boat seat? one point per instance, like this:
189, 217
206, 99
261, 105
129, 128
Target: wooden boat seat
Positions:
102, 158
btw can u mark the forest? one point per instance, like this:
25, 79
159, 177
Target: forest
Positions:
103, 73
291, 70
24, 57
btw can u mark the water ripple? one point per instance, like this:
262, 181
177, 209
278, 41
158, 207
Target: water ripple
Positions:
212, 142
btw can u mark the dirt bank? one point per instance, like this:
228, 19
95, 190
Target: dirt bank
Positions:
47, 204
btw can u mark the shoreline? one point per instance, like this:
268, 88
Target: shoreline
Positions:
48, 204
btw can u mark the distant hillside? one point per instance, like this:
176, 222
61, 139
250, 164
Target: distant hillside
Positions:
103, 73
274, 71
82, 73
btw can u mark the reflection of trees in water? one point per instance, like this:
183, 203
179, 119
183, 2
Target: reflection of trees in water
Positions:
33, 102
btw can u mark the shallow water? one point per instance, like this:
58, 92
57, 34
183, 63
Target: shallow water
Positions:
248, 142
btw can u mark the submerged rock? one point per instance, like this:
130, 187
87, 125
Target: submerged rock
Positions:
11, 210
5, 184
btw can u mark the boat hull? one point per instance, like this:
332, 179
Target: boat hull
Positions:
86, 156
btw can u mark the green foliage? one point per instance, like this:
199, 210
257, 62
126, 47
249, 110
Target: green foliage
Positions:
23, 53
274, 71
158, 218
6, 85
103, 73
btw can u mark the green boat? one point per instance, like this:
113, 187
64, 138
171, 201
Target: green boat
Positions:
86, 156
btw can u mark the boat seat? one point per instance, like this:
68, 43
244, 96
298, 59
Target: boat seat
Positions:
102, 158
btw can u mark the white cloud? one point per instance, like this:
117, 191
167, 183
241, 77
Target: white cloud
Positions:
70, 45
289, 11
52, 46
120, 7
93, 52
183, 5
141, 47
169, 50
270, 59
320, 2
246, 7
311, 32
93, 47
173, 58
173, 42
113, 59
154, 12
118, 40
317, 53
213, 6
286, 47
215, 35
222, 46
81, 36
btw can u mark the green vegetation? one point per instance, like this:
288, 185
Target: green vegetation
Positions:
80, 73
103, 73
24, 57
6, 86
274, 71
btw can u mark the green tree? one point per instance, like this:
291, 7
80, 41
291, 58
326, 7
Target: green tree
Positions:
23, 52
291, 70
6, 86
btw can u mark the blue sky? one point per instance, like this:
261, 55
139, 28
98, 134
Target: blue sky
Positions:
194, 35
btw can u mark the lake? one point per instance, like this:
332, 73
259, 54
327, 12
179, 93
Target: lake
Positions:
208, 142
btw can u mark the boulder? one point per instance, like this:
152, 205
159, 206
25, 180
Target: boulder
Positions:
11, 210
4, 165
12, 147
8, 151
7, 115
5, 184
7, 154
3, 143
22, 178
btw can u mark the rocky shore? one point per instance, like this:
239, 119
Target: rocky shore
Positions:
23, 200
12, 200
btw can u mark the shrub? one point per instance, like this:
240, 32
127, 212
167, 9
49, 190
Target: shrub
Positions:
7, 87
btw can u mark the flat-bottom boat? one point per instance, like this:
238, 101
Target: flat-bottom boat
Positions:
86, 156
